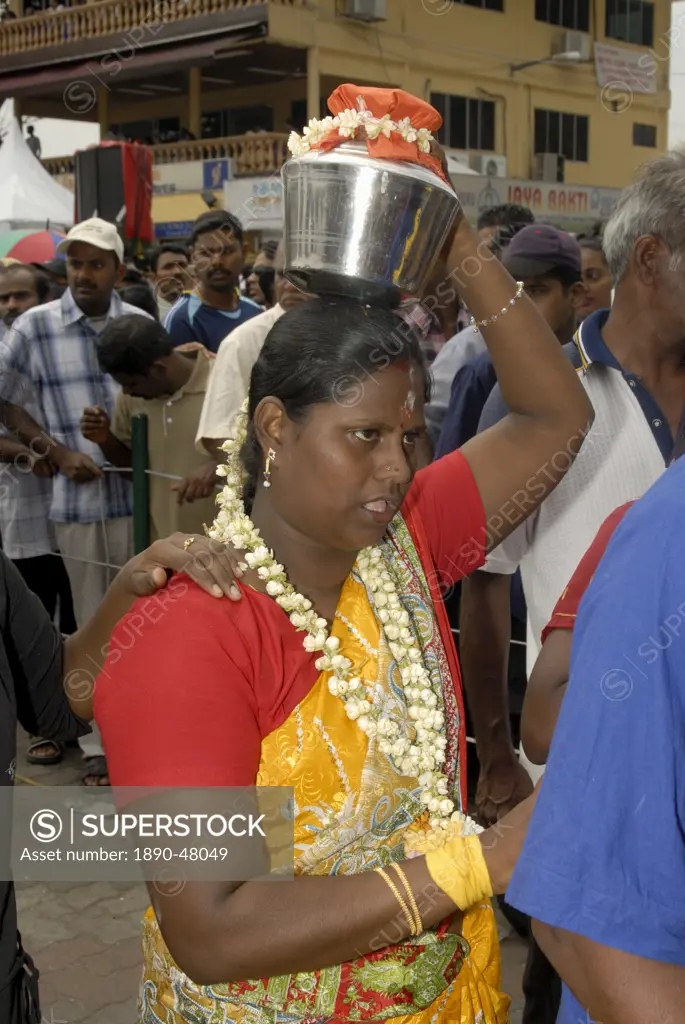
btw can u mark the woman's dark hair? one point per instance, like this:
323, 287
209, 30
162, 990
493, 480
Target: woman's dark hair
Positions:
592, 239
267, 280
141, 296
323, 351
130, 344
591, 242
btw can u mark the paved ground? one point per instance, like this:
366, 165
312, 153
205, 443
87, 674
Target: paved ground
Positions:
85, 938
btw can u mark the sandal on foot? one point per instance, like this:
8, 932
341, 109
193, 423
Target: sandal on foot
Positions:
53, 752
95, 768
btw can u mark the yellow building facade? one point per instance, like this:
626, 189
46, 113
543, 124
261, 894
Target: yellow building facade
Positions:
520, 82
465, 50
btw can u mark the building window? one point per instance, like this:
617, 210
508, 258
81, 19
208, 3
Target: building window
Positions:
565, 134
467, 123
567, 13
237, 121
485, 5
154, 131
632, 21
644, 135
298, 113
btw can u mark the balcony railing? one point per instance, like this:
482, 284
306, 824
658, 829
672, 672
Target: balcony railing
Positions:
262, 153
110, 17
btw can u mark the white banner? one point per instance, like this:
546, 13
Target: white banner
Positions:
625, 70
177, 177
257, 202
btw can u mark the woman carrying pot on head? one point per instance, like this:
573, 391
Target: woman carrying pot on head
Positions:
341, 680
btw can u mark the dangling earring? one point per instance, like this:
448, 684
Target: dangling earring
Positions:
271, 455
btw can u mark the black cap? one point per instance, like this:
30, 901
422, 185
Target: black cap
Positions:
538, 249
56, 266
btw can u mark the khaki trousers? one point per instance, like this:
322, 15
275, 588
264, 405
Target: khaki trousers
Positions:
93, 553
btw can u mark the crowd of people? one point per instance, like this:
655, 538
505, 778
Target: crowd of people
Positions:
31, 7
518, 448
66, 520
156, 137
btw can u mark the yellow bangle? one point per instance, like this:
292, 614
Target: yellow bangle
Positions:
418, 923
459, 869
399, 897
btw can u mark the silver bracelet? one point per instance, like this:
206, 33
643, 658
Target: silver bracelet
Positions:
505, 309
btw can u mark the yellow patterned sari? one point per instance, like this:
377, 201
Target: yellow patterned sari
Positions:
353, 811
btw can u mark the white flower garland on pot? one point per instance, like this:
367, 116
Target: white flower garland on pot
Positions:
347, 125
421, 756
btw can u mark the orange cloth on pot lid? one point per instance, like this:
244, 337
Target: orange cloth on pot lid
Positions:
398, 104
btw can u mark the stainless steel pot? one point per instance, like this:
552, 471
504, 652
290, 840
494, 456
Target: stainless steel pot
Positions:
362, 227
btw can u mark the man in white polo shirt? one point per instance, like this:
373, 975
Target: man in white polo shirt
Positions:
631, 361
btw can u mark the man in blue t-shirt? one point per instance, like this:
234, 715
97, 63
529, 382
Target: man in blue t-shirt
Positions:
602, 870
215, 307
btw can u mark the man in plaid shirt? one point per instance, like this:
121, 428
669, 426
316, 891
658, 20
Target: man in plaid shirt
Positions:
28, 537
50, 352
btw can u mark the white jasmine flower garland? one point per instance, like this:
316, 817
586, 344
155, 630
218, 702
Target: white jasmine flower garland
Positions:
418, 747
347, 125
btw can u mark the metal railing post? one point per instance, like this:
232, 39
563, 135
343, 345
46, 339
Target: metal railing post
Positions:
141, 483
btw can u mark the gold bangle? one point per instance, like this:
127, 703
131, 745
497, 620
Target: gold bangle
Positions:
418, 923
399, 897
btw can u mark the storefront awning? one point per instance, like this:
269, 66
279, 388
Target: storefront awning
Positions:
173, 215
92, 74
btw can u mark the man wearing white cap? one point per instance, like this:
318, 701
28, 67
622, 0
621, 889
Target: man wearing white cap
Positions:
50, 351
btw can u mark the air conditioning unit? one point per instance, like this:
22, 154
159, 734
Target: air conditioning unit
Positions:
573, 42
457, 160
489, 165
462, 155
366, 10
549, 167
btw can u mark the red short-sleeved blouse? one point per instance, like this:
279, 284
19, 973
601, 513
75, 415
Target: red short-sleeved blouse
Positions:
192, 684
566, 608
